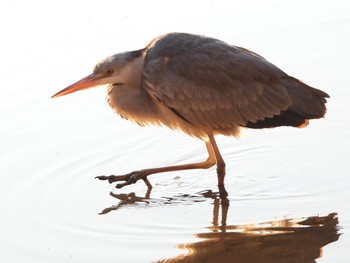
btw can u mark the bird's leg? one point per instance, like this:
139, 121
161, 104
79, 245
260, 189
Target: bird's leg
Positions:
220, 167
220, 164
134, 176
213, 158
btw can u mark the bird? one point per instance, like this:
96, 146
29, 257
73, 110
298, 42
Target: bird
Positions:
202, 87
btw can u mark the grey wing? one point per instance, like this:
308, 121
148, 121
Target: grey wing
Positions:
218, 86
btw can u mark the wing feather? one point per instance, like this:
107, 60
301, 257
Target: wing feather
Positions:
216, 85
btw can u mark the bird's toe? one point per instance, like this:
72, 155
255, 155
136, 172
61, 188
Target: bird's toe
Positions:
129, 178
112, 178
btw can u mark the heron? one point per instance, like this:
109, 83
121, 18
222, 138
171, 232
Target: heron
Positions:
202, 87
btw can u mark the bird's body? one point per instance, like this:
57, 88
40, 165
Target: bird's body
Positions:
203, 87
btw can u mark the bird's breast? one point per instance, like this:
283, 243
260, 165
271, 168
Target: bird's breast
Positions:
141, 108
133, 104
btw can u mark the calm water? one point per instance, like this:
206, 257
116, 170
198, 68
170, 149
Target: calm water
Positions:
288, 188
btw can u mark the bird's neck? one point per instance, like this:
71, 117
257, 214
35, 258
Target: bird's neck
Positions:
127, 97
132, 73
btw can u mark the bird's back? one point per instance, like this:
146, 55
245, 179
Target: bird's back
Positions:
218, 86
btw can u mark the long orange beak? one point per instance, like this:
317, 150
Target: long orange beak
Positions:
85, 83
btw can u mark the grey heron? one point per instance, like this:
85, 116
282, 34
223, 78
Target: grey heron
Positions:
203, 87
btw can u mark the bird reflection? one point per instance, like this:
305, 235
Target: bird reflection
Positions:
127, 199
132, 199
288, 240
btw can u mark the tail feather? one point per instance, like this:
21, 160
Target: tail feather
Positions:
285, 118
307, 103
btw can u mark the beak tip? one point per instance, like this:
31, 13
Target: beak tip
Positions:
55, 96
87, 82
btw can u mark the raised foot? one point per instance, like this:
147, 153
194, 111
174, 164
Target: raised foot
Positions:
129, 178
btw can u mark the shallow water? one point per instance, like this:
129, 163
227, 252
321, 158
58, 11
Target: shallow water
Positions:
52, 208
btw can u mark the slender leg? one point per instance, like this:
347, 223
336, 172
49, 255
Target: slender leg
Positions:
213, 158
220, 164
133, 177
209, 162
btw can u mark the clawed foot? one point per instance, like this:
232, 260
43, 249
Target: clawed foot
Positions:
129, 178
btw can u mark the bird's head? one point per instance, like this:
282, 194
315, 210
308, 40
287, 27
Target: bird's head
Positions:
117, 69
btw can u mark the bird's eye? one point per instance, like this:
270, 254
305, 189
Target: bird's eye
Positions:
110, 72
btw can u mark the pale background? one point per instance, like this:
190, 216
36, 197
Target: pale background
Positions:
51, 149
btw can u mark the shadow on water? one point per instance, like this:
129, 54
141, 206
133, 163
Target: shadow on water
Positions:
288, 240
